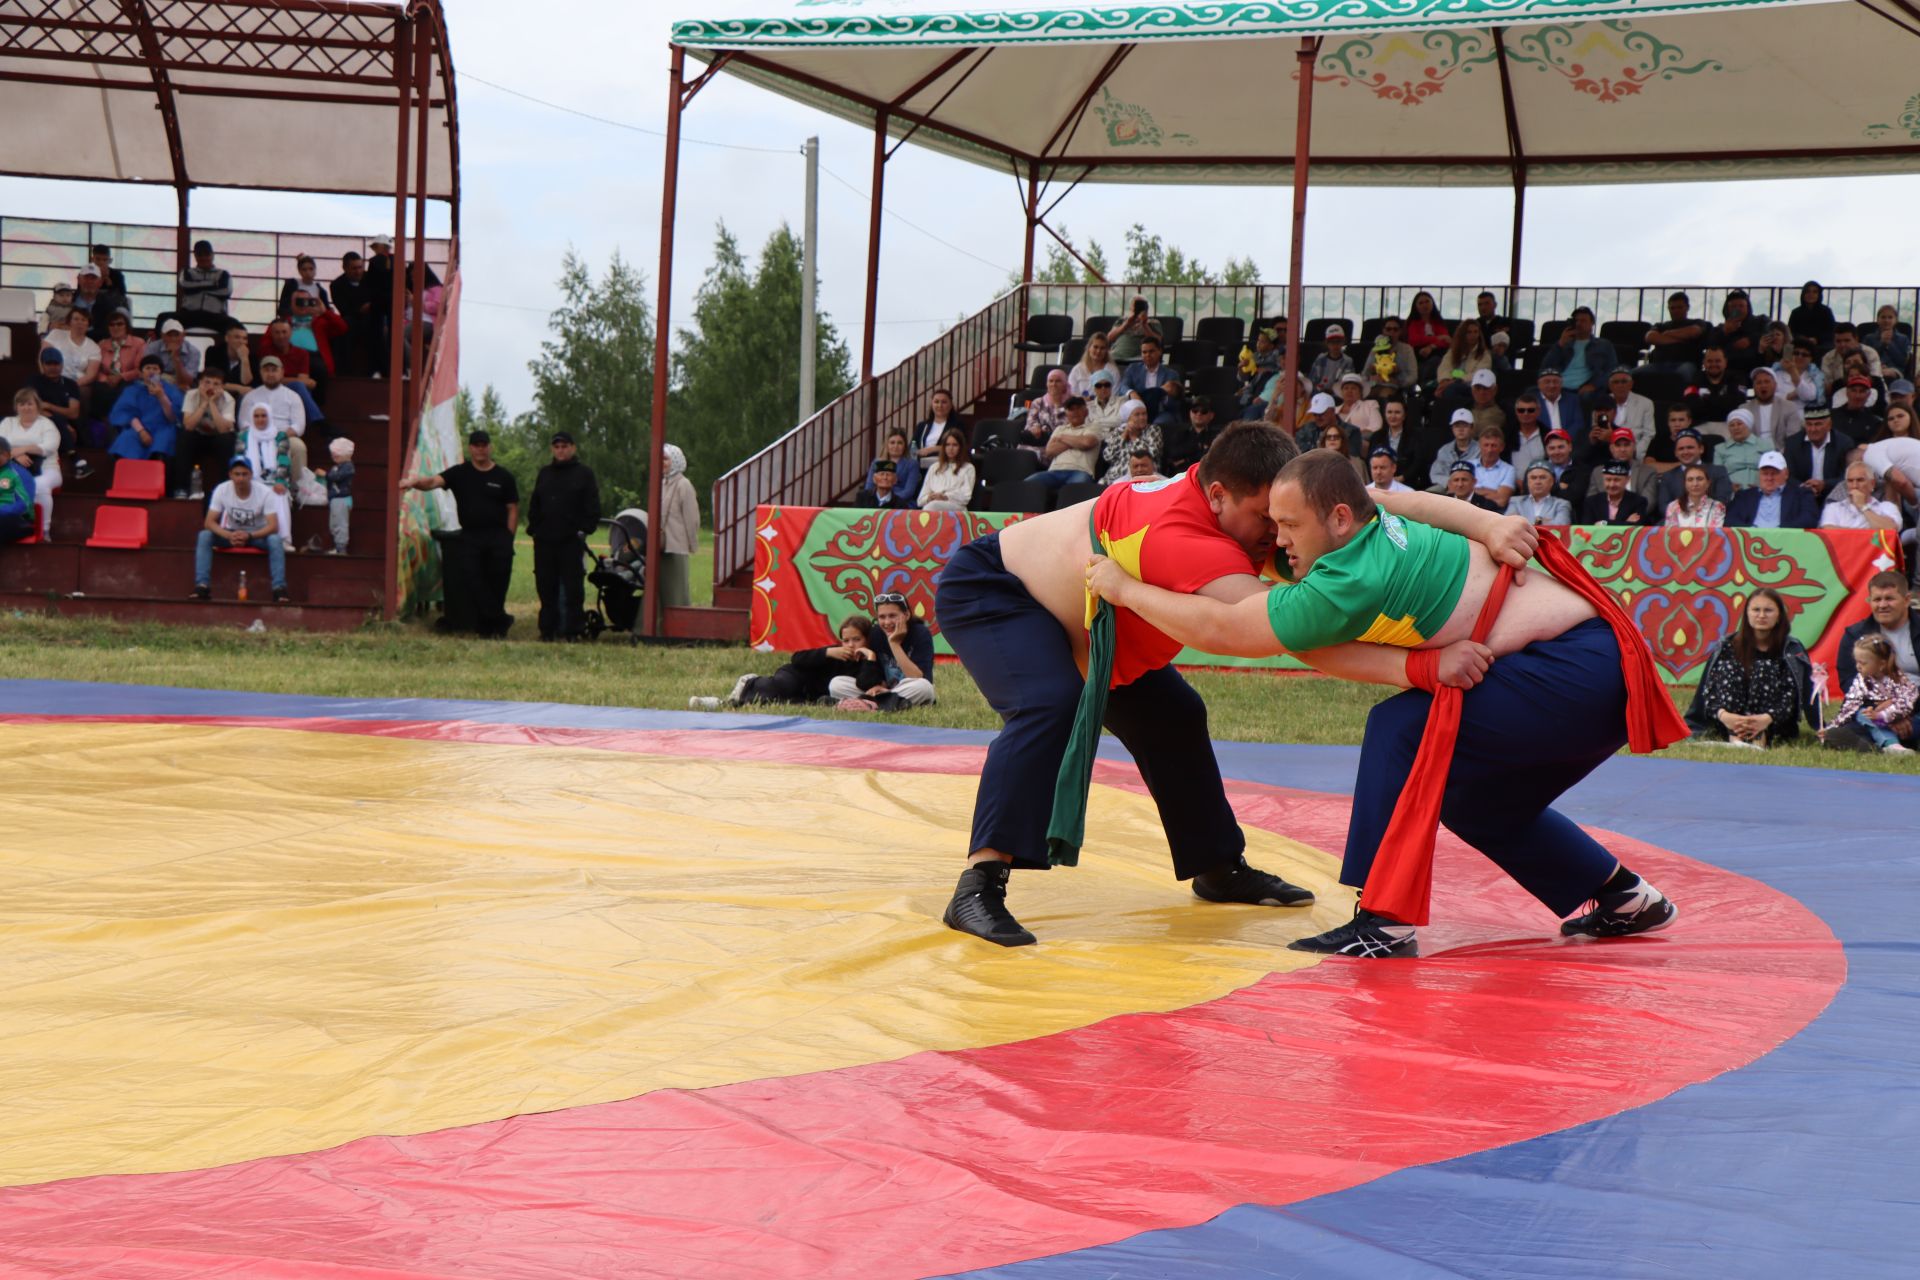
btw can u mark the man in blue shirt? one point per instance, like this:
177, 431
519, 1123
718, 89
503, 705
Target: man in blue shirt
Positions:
148, 415
1773, 503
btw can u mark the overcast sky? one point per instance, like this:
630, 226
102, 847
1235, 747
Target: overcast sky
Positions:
537, 180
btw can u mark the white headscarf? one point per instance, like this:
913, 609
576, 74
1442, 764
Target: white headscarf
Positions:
676, 460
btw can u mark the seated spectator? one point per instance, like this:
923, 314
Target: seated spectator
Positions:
1560, 409
1891, 616
1812, 319
1462, 449
277, 459
1696, 507
1689, 449
179, 359
301, 370
59, 307
1186, 440
1501, 344
1855, 507
91, 293
1427, 334
205, 291
1333, 363
1773, 503
1142, 379
906, 468
1045, 413
1570, 478
880, 494
1258, 367
1675, 344
17, 514
59, 395
34, 442
1136, 429
1383, 471
1879, 697
1894, 348
1583, 360
1140, 466
1718, 392
79, 354
1817, 457
1106, 411
1538, 504
303, 282
1460, 485
1487, 315
1798, 377
233, 357
105, 293
1097, 356
1392, 369
208, 416
147, 415
1899, 425
354, 299
1123, 339
1393, 436
1631, 410
903, 650
1642, 476
1323, 411
1270, 407
1740, 453
1900, 392
1526, 442
1615, 503
313, 324
1467, 354
1775, 345
928, 433
120, 353
1335, 438
805, 676
1172, 413
112, 278
1852, 419
1493, 477
1759, 682
948, 484
1737, 336
288, 410
1846, 343
1482, 389
1774, 417
1358, 414
241, 514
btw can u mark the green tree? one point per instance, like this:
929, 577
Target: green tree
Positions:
736, 374
1151, 260
1061, 268
594, 376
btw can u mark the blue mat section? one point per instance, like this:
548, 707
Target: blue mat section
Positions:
1804, 1164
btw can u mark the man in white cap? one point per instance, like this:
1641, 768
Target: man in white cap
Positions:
1774, 416
1323, 411
1332, 364
1773, 503
1462, 449
1483, 389
179, 359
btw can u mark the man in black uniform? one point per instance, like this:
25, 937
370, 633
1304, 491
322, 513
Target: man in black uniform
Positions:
565, 508
488, 500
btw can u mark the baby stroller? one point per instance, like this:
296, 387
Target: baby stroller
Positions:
620, 576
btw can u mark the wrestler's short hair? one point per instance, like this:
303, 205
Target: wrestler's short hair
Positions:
1246, 457
1328, 480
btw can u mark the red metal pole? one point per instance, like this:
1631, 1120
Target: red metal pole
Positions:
1302, 146
662, 329
878, 188
396, 389
423, 85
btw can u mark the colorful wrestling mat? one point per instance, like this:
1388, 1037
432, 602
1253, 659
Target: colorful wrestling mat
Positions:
404, 990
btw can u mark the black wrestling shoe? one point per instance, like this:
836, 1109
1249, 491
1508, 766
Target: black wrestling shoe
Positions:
1367, 936
979, 906
1250, 885
1641, 909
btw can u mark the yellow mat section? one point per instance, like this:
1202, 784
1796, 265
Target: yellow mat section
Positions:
227, 943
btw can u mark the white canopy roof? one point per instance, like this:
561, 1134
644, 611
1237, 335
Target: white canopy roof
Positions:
295, 95
1407, 92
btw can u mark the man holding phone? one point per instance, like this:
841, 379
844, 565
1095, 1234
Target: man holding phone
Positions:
1123, 340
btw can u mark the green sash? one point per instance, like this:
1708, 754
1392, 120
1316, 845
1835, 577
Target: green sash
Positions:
1068, 828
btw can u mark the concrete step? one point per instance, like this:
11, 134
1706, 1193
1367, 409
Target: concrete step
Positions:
175, 523
180, 612
154, 573
369, 480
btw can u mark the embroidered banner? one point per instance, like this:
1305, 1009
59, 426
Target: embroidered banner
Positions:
814, 567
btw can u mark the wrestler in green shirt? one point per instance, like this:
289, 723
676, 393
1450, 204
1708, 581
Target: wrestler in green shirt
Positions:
1395, 583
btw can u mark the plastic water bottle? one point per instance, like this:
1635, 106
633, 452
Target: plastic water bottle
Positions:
243, 585
199, 490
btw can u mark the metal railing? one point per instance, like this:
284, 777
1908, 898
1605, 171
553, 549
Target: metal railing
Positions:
38, 253
826, 457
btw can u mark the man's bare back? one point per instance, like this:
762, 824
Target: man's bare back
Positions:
1048, 554
1537, 608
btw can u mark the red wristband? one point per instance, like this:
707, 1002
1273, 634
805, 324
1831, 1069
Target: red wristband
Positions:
1423, 669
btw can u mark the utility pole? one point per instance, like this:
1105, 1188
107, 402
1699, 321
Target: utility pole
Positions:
809, 278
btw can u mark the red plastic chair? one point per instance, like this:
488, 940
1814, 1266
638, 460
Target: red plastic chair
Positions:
124, 528
138, 481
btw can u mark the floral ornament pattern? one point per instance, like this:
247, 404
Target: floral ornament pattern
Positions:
1406, 68
848, 563
1594, 62
1908, 123
1130, 125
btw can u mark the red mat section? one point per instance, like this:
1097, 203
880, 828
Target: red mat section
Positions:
1303, 1084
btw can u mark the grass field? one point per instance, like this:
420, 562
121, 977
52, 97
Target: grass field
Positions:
409, 660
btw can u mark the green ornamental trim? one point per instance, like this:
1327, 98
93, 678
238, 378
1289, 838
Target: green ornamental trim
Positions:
851, 26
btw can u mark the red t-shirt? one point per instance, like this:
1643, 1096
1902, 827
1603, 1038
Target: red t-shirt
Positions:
1163, 533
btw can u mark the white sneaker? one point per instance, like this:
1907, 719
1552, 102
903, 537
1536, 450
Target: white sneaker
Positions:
703, 704
1895, 749
739, 687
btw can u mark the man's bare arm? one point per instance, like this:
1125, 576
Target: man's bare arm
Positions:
1509, 539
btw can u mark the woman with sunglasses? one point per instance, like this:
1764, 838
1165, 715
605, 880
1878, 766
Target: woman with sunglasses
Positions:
903, 651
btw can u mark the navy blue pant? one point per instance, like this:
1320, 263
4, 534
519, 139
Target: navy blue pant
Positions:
1543, 719
1023, 662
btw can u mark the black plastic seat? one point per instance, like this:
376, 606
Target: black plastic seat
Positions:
1193, 355
997, 468
1228, 333
1046, 333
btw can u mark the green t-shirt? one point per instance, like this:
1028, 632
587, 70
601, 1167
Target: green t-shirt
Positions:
1396, 583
